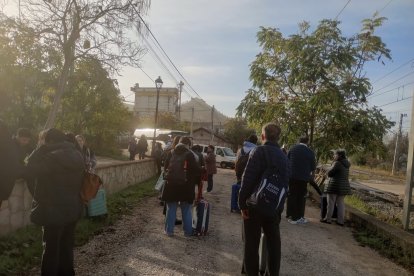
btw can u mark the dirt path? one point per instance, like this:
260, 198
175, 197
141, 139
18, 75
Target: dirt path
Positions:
137, 245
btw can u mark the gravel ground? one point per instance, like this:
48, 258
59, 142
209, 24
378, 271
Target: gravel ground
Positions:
137, 246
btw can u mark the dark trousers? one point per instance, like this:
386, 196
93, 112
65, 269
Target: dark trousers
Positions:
209, 182
132, 155
296, 199
252, 230
58, 242
141, 155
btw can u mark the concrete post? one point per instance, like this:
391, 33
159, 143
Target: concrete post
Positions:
409, 178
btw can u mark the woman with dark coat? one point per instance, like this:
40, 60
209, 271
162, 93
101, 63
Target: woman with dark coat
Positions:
210, 160
57, 168
179, 188
338, 187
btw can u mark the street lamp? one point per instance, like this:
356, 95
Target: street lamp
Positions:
158, 85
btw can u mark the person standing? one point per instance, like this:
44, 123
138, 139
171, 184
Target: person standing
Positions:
180, 169
303, 164
9, 163
210, 161
88, 155
142, 147
58, 170
157, 155
132, 148
255, 222
338, 187
243, 155
22, 143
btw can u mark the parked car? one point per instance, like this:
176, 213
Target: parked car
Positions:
225, 157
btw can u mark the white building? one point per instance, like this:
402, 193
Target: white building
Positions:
146, 99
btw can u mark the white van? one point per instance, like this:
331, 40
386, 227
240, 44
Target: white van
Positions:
225, 157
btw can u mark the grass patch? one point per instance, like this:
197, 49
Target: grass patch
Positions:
385, 247
22, 249
357, 203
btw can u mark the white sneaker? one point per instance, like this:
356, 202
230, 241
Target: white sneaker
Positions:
291, 221
303, 220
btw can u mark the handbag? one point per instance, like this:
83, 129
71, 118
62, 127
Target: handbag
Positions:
90, 186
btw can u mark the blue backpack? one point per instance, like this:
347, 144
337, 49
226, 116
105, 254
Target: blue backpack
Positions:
269, 197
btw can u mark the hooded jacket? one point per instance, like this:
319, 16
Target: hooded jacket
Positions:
339, 178
58, 172
174, 192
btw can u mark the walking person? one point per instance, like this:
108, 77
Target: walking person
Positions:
88, 155
142, 147
254, 221
179, 188
338, 187
210, 161
58, 170
303, 164
9, 163
132, 148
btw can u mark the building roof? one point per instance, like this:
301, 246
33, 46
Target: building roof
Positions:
202, 112
215, 134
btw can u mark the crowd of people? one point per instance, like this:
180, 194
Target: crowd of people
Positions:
54, 170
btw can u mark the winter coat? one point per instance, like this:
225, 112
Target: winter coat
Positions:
256, 166
174, 192
210, 160
10, 166
302, 162
58, 171
338, 178
241, 164
142, 145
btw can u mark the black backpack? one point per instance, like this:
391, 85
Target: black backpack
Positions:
241, 164
177, 169
269, 197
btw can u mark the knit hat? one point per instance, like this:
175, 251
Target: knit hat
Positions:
54, 135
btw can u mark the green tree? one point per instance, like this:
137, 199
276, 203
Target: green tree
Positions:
24, 77
94, 106
236, 131
313, 83
82, 28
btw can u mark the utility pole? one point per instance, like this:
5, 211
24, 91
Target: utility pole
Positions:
212, 124
180, 85
409, 178
192, 120
399, 134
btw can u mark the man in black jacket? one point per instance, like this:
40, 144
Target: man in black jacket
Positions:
58, 169
9, 163
254, 222
303, 164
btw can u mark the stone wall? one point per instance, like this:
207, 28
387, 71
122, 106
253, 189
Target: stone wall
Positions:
15, 212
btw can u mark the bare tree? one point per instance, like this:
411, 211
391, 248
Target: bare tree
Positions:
79, 28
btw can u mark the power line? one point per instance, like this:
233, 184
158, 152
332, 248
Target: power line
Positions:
386, 5
336, 17
396, 101
386, 75
382, 93
391, 83
162, 49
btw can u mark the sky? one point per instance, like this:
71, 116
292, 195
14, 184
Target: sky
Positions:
213, 42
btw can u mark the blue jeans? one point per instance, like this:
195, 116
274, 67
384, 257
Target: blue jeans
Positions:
186, 216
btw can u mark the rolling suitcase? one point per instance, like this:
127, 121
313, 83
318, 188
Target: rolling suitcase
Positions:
234, 205
97, 205
201, 216
324, 207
